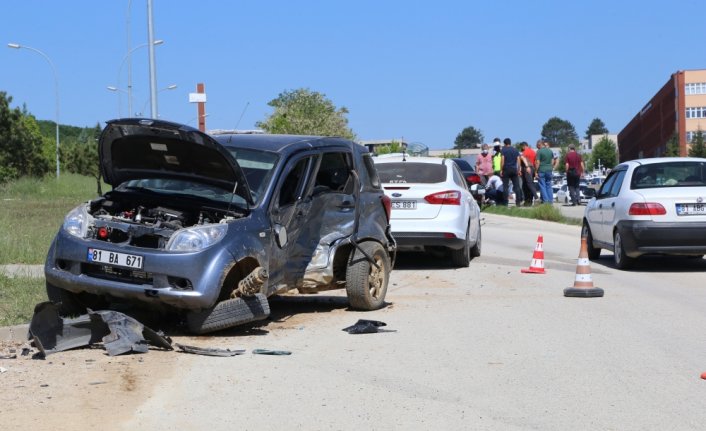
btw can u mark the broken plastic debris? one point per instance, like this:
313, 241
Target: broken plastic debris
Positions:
270, 352
120, 333
363, 326
2, 370
208, 351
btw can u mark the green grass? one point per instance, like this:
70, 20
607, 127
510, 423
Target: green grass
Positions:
18, 296
32, 210
540, 212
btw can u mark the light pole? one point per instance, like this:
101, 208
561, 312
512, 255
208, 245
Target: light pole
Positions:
144, 106
128, 56
56, 92
153, 66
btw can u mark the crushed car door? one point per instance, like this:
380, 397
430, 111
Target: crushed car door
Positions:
332, 214
290, 208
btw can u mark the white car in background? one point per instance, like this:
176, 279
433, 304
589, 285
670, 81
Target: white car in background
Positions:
649, 206
432, 206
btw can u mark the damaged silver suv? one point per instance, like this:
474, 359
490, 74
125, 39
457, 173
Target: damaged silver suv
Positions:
211, 226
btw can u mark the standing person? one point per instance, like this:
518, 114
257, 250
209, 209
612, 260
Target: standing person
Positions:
484, 164
574, 170
528, 174
510, 162
496, 156
544, 165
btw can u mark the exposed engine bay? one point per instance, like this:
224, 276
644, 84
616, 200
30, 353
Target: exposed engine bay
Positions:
126, 221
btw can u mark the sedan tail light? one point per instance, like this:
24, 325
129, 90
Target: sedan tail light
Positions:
449, 197
646, 208
473, 179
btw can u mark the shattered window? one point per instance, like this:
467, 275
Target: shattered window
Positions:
334, 174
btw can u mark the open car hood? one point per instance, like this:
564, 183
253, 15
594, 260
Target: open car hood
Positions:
136, 148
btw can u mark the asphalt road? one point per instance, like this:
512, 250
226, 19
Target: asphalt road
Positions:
479, 348
482, 348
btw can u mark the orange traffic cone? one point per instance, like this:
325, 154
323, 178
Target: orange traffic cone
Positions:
583, 285
537, 264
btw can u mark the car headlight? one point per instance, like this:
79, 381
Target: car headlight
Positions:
76, 221
197, 238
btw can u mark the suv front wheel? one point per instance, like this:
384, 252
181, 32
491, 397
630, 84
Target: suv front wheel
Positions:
366, 284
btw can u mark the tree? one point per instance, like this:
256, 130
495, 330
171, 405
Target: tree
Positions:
673, 146
81, 156
394, 147
20, 143
604, 154
468, 138
559, 132
597, 127
306, 112
697, 148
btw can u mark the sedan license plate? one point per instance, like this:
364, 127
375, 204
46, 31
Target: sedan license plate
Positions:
691, 209
404, 205
112, 258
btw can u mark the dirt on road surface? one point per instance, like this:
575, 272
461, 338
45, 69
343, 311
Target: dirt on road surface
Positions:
483, 348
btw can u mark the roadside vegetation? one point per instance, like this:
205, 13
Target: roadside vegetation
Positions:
18, 296
32, 210
539, 212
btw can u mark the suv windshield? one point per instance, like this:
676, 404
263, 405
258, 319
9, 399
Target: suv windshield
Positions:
257, 166
410, 172
669, 174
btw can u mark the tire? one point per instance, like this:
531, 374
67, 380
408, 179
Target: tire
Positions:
461, 258
73, 304
366, 285
622, 260
593, 252
475, 250
229, 313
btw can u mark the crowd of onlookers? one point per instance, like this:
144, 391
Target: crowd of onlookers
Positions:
526, 174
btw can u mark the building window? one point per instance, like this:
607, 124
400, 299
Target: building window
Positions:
691, 135
696, 112
695, 88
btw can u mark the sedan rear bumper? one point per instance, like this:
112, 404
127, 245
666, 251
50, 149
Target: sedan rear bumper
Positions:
648, 237
421, 239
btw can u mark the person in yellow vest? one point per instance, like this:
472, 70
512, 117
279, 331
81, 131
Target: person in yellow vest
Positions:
497, 157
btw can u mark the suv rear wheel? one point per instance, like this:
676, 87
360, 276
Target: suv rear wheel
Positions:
366, 284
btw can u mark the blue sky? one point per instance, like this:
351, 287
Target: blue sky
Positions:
417, 70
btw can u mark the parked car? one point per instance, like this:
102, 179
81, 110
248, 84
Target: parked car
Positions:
649, 206
585, 194
468, 172
432, 208
210, 226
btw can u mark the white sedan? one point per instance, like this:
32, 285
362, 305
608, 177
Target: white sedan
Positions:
432, 207
649, 206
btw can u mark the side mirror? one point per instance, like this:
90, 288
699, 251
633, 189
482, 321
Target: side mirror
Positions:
280, 235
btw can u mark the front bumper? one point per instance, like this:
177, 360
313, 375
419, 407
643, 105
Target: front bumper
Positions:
183, 280
647, 237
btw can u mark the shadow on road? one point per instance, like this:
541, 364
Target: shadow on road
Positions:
658, 263
413, 260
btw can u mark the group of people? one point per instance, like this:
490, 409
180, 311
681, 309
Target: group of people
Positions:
509, 167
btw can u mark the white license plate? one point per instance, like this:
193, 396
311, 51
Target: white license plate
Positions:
112, 258
691, 209
404, 205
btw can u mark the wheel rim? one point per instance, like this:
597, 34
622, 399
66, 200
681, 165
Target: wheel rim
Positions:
376, 279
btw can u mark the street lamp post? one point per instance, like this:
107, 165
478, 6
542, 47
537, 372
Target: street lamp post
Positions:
56, 93
152, 63
144, 105
128, 56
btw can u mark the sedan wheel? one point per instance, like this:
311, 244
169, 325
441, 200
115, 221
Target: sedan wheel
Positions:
462, 257
622, 260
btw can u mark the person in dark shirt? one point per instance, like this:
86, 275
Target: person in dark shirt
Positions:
510, 168
574, 170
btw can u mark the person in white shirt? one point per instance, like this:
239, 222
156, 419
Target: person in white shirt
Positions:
494, 189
